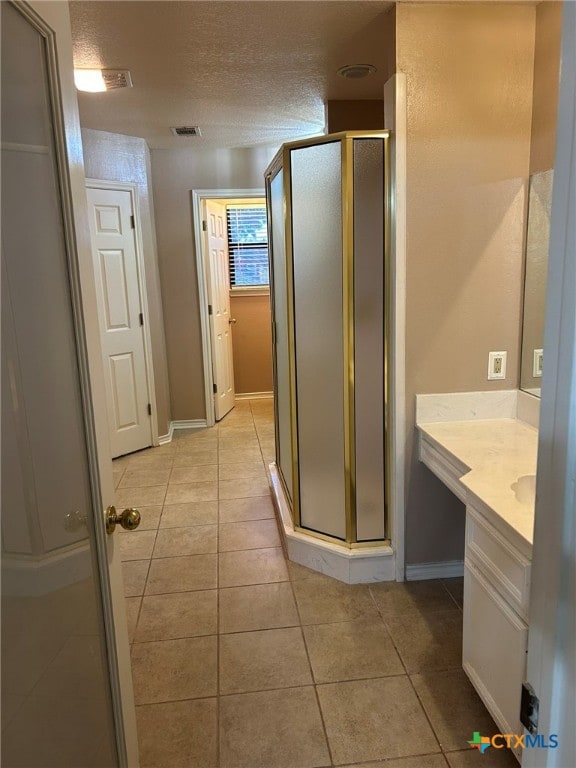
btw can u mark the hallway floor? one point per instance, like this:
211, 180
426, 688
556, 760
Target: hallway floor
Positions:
243, 660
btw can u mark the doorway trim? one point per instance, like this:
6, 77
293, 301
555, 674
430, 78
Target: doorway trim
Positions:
198, 197
132, 189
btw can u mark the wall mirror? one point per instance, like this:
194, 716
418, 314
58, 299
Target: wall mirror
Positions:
537, 240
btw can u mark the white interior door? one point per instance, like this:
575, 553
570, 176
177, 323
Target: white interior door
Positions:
121, 320
66, 685
219, 301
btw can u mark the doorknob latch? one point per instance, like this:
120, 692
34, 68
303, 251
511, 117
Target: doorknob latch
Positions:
129, 519
232, 321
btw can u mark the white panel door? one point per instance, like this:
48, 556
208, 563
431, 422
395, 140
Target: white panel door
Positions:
219, 300
119, 310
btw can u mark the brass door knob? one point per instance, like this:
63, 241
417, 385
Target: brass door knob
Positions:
129, 519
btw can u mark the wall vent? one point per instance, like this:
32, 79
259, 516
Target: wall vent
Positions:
186, 130
116, 78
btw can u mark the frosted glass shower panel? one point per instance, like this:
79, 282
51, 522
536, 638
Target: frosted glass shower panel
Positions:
316, 181
369, 317
282, 357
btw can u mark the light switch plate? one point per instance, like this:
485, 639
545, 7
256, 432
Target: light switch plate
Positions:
538, 361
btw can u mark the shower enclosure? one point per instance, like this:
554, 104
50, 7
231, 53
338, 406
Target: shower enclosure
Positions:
329, 210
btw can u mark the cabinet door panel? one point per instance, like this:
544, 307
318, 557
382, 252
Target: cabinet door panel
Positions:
494, 650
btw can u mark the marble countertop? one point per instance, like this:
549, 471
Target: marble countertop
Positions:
501, 456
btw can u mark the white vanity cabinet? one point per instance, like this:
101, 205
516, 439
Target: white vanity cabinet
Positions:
495, 632
480, 449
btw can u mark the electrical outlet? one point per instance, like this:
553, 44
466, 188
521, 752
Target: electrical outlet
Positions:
538, 360
497, 365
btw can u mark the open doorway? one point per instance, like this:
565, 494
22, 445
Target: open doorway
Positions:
234, 297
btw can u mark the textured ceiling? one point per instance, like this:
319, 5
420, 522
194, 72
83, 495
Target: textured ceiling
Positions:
248, 73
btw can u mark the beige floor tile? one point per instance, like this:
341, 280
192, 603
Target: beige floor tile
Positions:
272, 729
428, 642
189, 513
252, 566
117, 475
420, 761
135, 545
397, 598
374, 719
238, 510
181, 493
151, 461
258, 661
242, 488
456, 589
298, 572
178, 734
178, 542
207, 437
251, 534
351, 650
492, 758
199, 473
453, 725
171, 670
238, 432
132, 610
122, 462
192, 458
182, 574
182, 614
136, 478
324, 600
134, 574
237, 455
263, 606
149, 519
238, 443
136, 497
242, 470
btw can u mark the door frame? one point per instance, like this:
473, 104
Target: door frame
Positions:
52, 20
132, 189
198, 197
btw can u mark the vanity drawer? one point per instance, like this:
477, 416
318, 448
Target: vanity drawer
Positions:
505, 568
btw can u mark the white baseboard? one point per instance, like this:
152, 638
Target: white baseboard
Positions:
254, 395
28, 576
448, 569
163, 439
352, 566
183, 424
190, 424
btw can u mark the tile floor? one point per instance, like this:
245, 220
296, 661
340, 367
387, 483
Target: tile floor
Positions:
244, 660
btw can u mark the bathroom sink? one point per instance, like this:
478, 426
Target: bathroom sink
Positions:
525, 489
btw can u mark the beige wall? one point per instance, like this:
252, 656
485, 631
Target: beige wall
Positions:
252, 340
175, 173
546, 81
469, 93
112, 157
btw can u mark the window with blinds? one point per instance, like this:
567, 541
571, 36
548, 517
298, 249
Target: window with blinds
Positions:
247, 245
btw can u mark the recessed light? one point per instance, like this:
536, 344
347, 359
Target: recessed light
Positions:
98, 80
356, 71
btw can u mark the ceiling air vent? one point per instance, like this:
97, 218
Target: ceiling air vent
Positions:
186, 130
116, 78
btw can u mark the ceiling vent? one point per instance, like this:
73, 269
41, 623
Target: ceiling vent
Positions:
186, 130
356, 71
116, 78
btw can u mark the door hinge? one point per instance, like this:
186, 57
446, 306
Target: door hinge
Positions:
141, 318
149, 409
132, 222
529, 707
209, 309
204, 226
214, 388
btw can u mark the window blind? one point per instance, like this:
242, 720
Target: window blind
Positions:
247, 245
